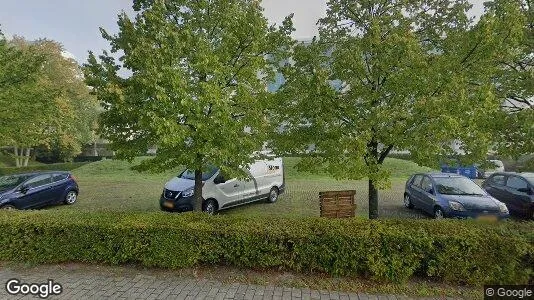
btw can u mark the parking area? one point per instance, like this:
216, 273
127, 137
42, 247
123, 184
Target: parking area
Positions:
113, 186
300, 199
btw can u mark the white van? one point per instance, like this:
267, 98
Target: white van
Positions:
498, 166
266, 182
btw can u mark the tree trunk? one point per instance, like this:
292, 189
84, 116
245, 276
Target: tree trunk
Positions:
27, 157
373, 200
198, 191
17, 160
95, 151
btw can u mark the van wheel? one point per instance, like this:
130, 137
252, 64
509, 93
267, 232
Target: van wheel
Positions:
8, 207
273, 195
210, 207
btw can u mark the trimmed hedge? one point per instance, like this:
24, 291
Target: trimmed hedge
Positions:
49, 167
386, 250
403, 156
90, 158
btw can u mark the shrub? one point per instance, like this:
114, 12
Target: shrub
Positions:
81, 158
49, 167
386, 250
403, 156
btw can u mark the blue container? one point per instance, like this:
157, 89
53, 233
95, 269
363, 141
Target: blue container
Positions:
469, 171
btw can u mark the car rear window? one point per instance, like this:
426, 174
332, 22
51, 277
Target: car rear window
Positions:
59, 177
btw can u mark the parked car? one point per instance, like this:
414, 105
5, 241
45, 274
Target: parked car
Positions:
266, 181
35, 190
516, 190
451, 196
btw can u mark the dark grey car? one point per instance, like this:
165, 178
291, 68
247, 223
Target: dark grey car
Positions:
516, 190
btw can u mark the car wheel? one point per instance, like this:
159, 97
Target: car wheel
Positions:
8, 207
408, 201
71, 197
273, 195
438, 213
210, 207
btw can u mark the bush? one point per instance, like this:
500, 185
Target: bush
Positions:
50, 167
526, 165
91, 158
403, 156
385, 250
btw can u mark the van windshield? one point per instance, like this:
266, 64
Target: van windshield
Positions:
190, 174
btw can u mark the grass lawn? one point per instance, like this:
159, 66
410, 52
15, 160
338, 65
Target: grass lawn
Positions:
111, 185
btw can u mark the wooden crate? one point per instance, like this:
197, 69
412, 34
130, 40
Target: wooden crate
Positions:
337, 204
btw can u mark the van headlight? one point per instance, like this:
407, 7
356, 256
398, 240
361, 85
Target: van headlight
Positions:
503, 208
457, 206
188, 193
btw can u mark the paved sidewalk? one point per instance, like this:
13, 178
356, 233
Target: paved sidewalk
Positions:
96, 282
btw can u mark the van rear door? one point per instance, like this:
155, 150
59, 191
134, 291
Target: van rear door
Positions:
264, 175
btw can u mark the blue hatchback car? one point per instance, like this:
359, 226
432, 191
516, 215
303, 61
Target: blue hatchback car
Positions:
451, 196
35, 190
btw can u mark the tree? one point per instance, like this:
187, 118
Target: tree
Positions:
47, 102
514, 126
18, 70
16, 66
410, 75
198, 76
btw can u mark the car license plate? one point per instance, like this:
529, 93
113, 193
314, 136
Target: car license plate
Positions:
491, 218
168, 204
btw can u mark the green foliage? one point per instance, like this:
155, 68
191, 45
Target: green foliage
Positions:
462, 252
397, 168
199, 71
514, 127
50, 92
392, 75
43, 167
19, 69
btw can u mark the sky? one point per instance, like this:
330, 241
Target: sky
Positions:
75, 23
